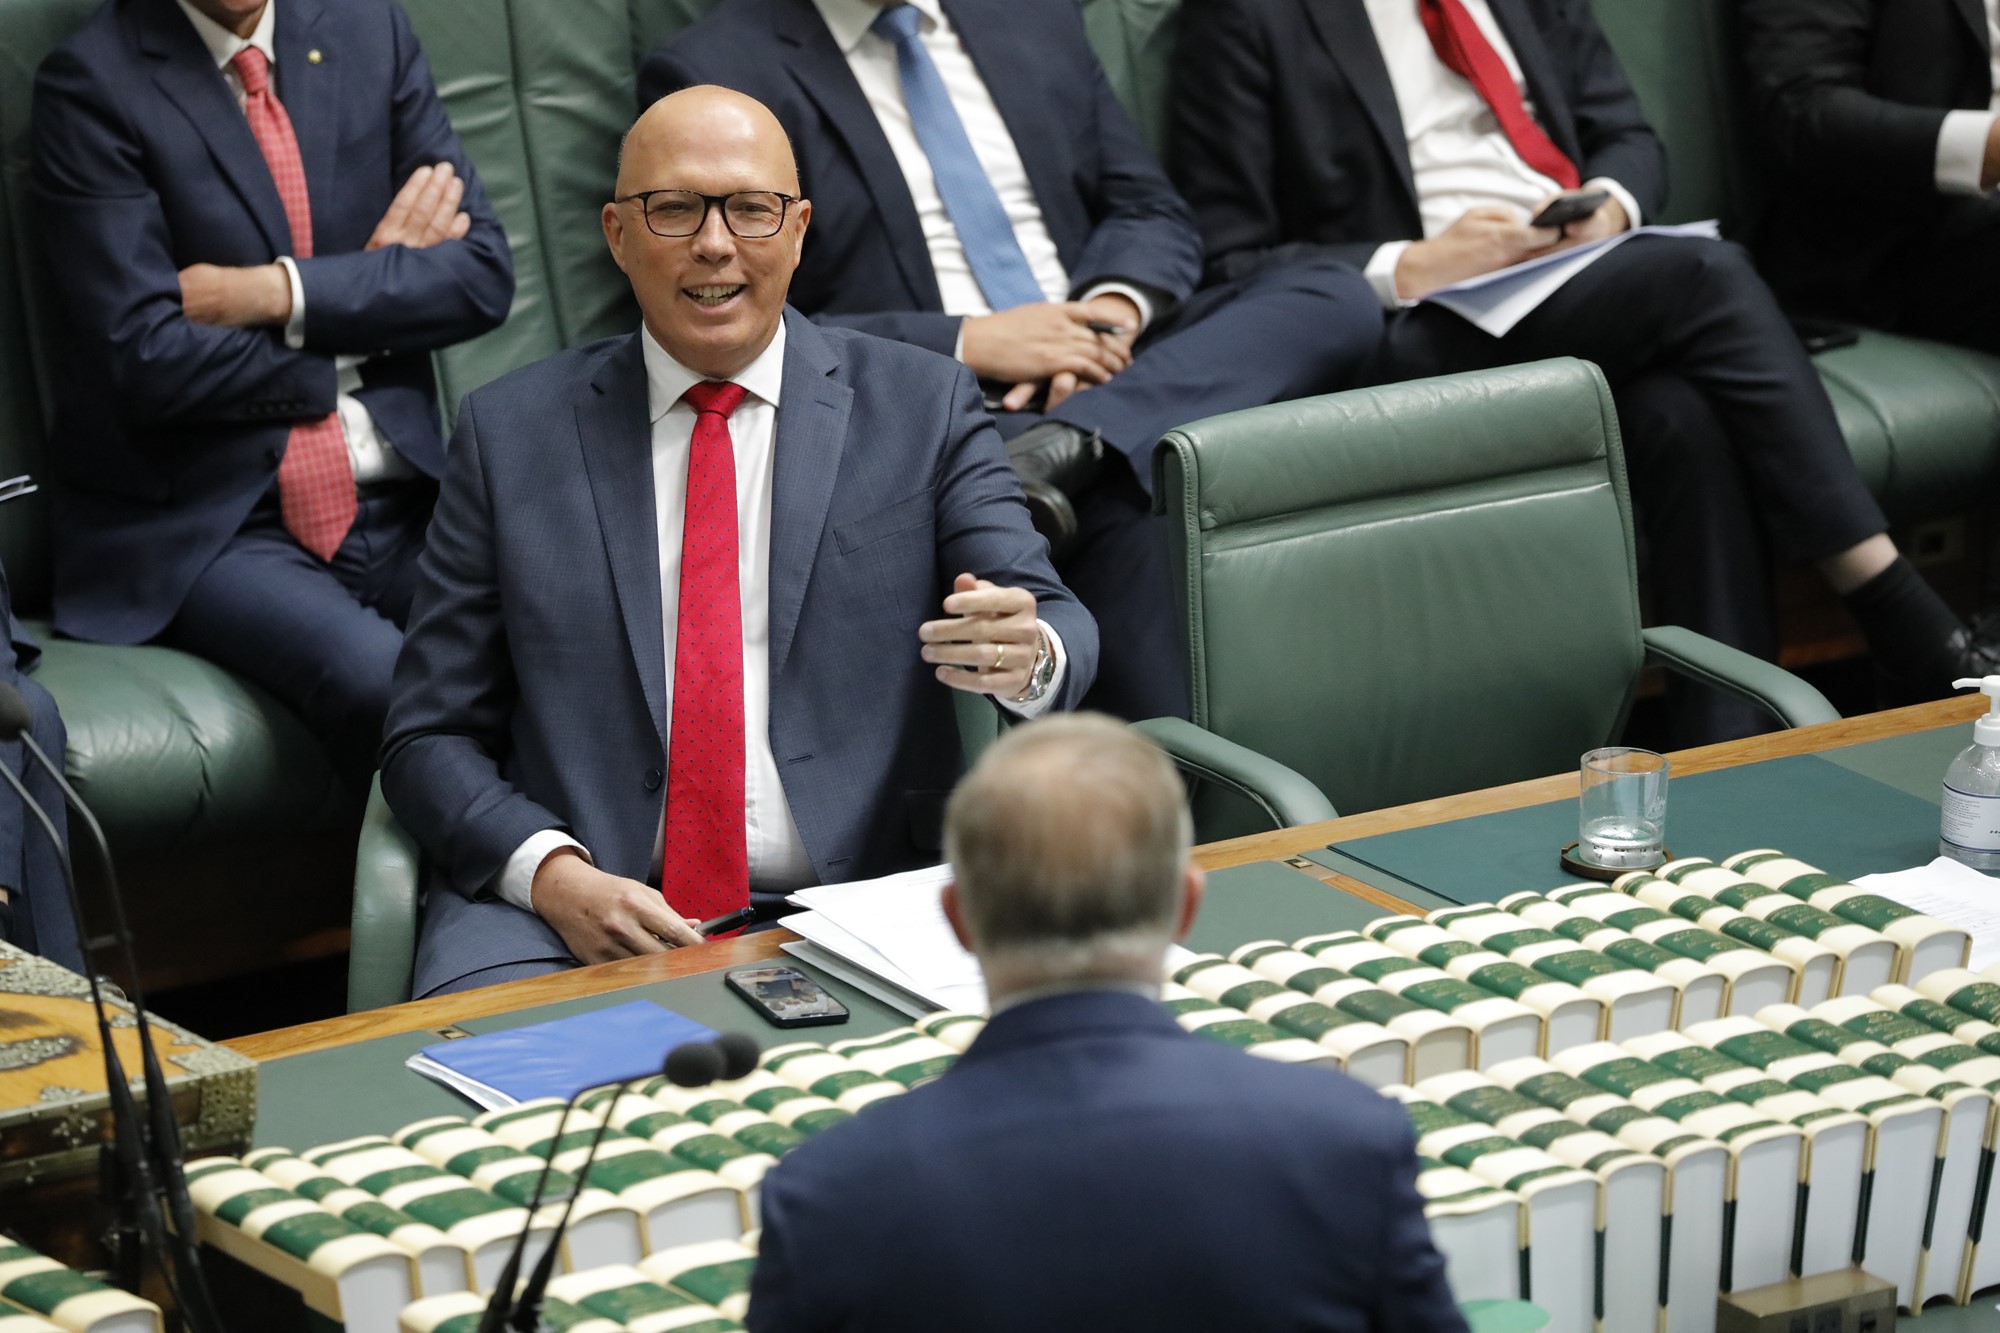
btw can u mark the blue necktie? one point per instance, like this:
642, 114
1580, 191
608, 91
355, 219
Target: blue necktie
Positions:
969, 198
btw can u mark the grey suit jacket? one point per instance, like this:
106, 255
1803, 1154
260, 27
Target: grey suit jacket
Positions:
531, 694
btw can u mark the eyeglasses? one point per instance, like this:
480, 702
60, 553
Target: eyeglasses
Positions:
749, 214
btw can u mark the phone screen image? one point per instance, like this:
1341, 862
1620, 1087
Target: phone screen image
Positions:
786, 995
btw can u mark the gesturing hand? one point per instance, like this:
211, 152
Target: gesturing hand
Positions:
602, 916
425, 211
988, 646
1481, 240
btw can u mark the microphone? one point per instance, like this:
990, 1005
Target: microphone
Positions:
135, 1148
692, 1064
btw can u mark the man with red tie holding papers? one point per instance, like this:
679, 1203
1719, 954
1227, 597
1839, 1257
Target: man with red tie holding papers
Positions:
696, 599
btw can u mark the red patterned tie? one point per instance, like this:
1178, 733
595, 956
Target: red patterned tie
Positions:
704, 863
316, 478
1463, 48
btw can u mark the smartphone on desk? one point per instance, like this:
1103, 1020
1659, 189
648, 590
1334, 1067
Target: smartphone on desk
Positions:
787, 997
1572, 207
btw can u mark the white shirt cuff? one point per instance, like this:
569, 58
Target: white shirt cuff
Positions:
1621, 194
1961, 151
1381, 274
1037, 707
1139, 297
516, 884
958, 344
295, 324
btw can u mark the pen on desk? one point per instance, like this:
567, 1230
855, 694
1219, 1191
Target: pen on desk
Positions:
1103, 326
742, 916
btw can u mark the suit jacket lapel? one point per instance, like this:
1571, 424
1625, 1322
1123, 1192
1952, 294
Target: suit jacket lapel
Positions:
187, 75
1974, 14
612, 423
812, 431
821, 70
1543, 88
311, 94
997, 51
1345, 31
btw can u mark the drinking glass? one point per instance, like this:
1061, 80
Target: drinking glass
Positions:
1622, 813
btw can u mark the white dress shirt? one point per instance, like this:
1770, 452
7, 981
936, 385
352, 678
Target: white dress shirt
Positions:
372, 457
1459, 155
777, 856
1961, 143
872, 57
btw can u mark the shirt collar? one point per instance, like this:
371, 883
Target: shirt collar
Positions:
667, 379
1020, 997
849, 20
223, 44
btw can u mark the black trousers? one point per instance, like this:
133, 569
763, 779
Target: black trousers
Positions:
1731, 445
1948, 288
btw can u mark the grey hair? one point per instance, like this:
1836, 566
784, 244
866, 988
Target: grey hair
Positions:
1069, 843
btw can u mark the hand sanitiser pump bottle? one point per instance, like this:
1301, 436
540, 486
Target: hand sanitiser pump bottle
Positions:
1969, 829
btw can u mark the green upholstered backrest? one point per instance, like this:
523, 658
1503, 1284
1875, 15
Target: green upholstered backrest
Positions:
1413, 590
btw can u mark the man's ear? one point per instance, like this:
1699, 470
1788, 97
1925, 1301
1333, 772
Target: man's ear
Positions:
1192, 889
955, 914
614, 235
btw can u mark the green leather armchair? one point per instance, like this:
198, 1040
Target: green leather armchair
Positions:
1421, 589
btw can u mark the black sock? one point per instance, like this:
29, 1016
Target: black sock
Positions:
1908, 626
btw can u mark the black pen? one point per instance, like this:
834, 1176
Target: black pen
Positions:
742, 916
1103, 326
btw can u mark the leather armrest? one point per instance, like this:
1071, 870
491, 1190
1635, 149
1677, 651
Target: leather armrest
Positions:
387, 870
1698, 657
1286, 797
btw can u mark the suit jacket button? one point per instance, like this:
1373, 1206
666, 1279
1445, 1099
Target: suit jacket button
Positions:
653, 779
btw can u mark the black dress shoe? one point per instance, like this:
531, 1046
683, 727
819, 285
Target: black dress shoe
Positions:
1971, 651
1056, 463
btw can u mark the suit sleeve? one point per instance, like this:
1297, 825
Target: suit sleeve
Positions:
983, 529
1222, 145
454, 690
112, 263
781, 1295
1611, 126
1412, 1295
1808, 65
398, 299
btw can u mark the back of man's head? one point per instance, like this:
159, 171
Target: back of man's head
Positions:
1069, 845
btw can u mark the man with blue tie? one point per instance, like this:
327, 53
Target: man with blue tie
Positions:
983, 194
259, 225
1087, 1164
672, 652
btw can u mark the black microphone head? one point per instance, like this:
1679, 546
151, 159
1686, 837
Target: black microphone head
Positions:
739, 1054
14, 715
693, 1064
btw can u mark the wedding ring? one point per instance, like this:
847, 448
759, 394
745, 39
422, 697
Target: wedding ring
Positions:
1000, 657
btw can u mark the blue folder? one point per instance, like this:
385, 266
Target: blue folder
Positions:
563, 1056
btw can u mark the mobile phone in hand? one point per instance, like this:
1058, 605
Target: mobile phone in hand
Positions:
1572, 207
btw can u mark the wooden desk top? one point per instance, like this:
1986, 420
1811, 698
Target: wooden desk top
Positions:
1282, 845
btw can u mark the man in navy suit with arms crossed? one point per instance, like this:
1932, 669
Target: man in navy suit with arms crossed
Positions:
677, 643
1087, 1164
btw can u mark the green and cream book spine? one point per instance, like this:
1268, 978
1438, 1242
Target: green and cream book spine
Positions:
37, 1284
1476, 1227
1631, 1204
350, 1276
1909, 1129
676, 1200
957, 1031
25, 1323
753, 1129
602, 1229
639, 1304
1833, 1172
1867, 957
1502, 1028
1814, 967
1219, 1022
789, 1105
443, 1265
1924, 944
689, 1140
1368, 1051
716, 1273
905, 1056
462, 1312
811, 1067
1760, 1220
1752, 978
1558, 1205
467, 1215
1634, 1000
1437, 1042
1698, 989
1570, 1016
1911, 1004
1698, 1173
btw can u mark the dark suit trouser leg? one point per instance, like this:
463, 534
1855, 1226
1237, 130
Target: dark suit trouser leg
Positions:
322, 637
1119, 571
1949, 288
1696, 309
30, 868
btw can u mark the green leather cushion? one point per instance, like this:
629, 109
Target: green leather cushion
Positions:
167, 748
1922, 420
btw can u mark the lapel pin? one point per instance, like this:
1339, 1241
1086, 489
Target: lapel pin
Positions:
313, 56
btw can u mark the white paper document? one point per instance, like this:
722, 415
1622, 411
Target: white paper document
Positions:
1952, 892
895, 928
1497, 301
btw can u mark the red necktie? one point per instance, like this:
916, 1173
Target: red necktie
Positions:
315, 479
704, 861
1464, 49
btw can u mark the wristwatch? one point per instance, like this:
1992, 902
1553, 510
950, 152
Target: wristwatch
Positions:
1042, 675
